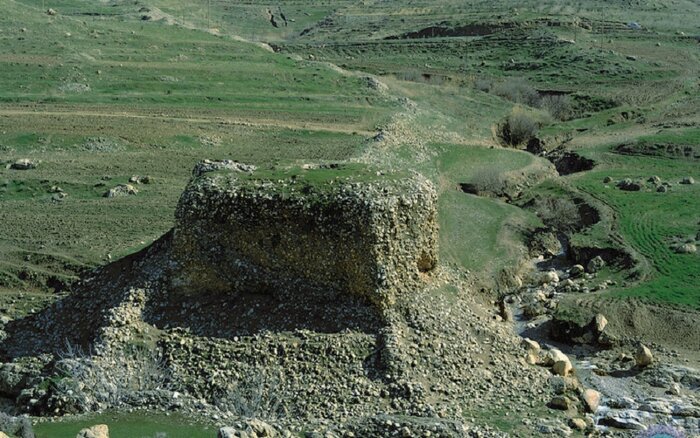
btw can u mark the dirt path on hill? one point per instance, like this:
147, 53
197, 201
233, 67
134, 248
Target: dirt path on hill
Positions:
256, 123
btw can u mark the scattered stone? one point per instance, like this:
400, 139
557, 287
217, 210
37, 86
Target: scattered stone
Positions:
3, 435
505, 312
24, 164
250, 428
643, 356
562, 368
532, 349
629, 186
560, 402
51, 11
549, 277
674, 389
74, 87
121, 190
576, 271
531, 345
622, 420
375, 84
599, 323
210, 166
577, 424
591, 399
555, 428
654, 180
97, 431
136, 179
607, 180
595, 264
687, 248
662, 189
568, 284
561, 365
260, 428
564, 385
545, 243
227, 432
688, 180
60, 196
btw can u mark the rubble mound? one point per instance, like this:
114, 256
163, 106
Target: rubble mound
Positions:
346, 229
304, 297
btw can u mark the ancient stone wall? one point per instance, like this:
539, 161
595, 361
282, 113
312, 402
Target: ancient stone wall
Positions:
370, 235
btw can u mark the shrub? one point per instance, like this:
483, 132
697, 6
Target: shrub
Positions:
16, 426
517, 90
88, 381
517, 129
558, 106
487, 180
254, 395
482, 84
520, 91
561, 214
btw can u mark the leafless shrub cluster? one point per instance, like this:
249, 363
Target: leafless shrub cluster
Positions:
488, 180
517, 129
16, 426
558, 106
482, 84
253, 396
519, 91
108, 380
559, 213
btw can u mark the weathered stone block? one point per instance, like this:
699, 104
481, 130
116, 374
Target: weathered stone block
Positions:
348, 229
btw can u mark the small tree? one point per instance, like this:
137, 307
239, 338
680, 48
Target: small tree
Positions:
558, 106
517, 90
517, 129
488, 180
562, 214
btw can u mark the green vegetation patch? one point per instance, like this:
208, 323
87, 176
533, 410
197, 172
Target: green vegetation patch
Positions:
138, 425
654, 223
480, 234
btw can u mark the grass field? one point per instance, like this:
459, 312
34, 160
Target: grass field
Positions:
479, 233
654, 222
128, 426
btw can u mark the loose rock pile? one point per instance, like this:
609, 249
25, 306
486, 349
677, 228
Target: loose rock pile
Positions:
407, 356
365, 235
